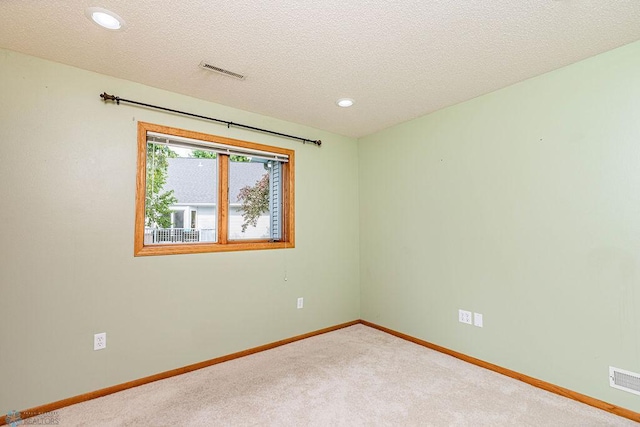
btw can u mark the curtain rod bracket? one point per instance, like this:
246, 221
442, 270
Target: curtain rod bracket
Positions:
106, 97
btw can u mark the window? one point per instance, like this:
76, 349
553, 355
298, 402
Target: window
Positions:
194, 215
205, 193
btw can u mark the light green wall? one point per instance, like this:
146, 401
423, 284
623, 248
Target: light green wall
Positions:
67, 271
522, 205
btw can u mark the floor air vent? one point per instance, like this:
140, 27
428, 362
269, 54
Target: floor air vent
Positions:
624, 380
206, 66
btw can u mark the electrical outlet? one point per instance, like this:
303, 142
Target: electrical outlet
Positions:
477, 319
100, 341
464, 316
300, 302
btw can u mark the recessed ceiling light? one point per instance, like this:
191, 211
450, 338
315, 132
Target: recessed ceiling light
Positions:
344, 102
105, 18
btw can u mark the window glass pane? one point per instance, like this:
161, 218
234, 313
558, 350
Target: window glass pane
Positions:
178, 219
181, 195
252, 198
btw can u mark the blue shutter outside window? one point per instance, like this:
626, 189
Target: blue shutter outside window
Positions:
275, 200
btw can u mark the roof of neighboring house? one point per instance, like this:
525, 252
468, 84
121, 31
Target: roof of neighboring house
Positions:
194, 181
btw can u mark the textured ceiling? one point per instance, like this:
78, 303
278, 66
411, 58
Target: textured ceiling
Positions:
397, 59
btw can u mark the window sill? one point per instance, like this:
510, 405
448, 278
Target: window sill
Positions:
198, 248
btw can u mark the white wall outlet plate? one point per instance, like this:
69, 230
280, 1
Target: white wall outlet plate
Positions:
464, 316
300, 302
477, 319
100, 341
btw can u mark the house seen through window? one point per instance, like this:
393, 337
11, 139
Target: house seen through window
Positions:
204, 193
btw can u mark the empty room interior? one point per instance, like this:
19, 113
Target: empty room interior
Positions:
437, 182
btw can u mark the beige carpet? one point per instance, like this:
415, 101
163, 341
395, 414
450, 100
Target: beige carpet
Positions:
356, 376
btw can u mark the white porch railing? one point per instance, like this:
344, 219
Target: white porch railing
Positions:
178, 235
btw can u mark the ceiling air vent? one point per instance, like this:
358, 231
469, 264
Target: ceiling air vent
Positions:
205, 66
624, 380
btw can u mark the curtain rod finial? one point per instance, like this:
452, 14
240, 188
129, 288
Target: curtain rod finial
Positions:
106, 97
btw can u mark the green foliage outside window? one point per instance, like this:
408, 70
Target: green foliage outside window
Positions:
202, 154
254, 201
157, 202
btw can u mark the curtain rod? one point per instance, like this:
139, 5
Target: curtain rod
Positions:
106, 97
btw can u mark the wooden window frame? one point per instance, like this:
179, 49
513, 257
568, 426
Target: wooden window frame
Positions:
223, 244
